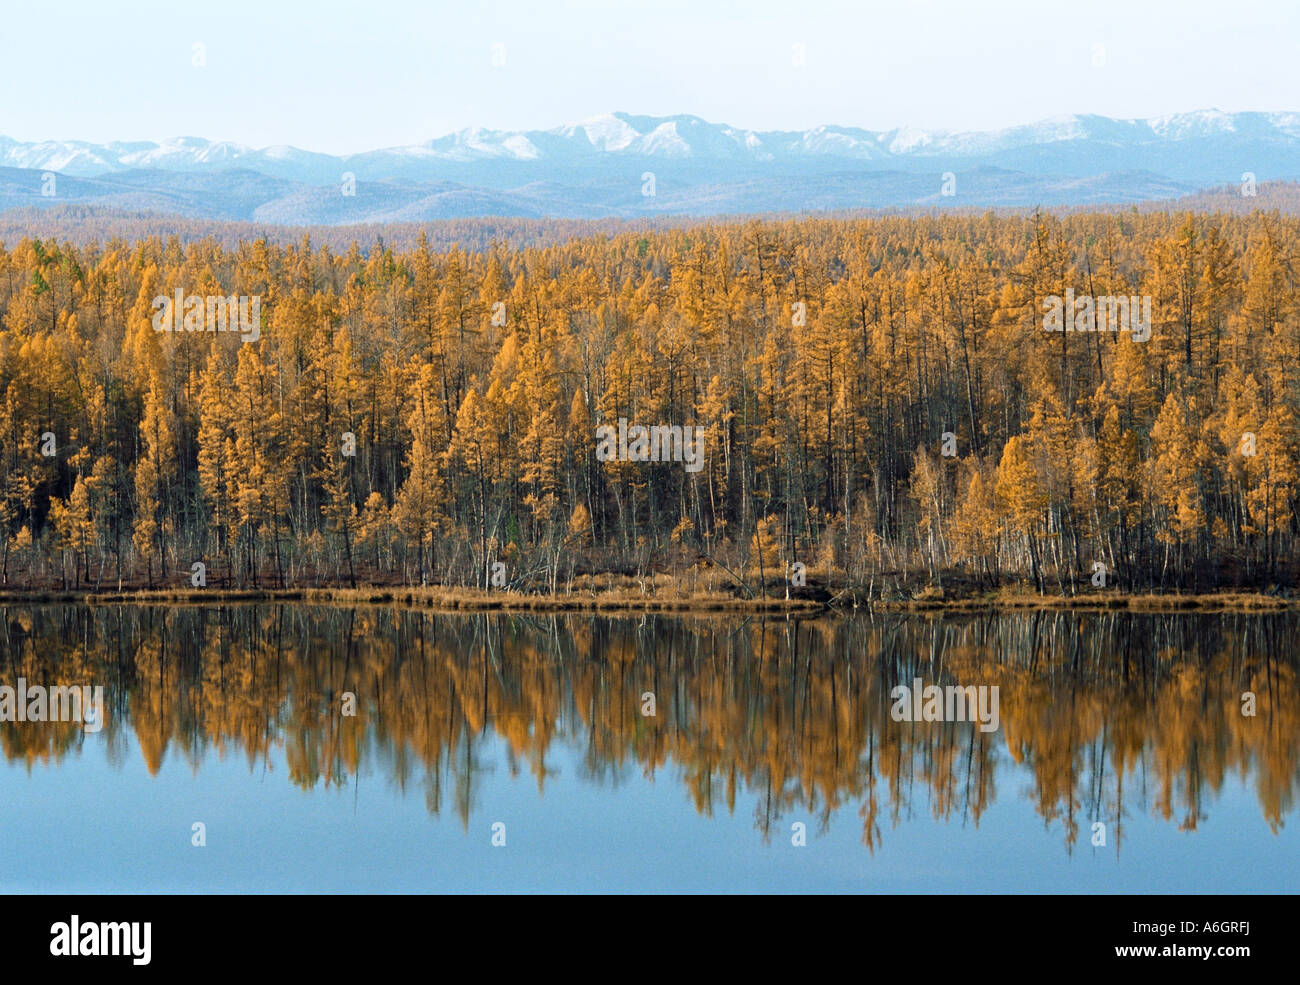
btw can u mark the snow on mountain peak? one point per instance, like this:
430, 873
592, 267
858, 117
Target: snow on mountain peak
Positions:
1203, 123
607, 132
1080, 137
666, 141
905, 140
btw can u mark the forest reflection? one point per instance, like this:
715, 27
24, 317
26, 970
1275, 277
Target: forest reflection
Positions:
1102, 714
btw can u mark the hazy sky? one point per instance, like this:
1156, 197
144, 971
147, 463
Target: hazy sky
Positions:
348, 76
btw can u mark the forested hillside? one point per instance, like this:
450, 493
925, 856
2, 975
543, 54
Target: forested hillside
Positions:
826, 358
87, 225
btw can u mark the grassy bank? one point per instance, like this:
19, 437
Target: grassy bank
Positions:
616, 601
1101, 601
444, 600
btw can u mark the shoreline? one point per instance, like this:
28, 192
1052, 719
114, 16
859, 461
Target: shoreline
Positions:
467, 600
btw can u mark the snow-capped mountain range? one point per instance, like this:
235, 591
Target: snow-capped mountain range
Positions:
595, 167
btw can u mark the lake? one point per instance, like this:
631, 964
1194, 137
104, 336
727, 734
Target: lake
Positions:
294, 748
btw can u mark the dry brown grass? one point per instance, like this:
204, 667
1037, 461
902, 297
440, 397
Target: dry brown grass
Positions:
619, 593
1100, 601
435, 598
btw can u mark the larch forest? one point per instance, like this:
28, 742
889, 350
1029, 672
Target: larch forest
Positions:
880, 400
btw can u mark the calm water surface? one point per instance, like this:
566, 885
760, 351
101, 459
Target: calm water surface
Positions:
234, 717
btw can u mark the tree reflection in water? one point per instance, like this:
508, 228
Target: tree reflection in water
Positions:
1109, 713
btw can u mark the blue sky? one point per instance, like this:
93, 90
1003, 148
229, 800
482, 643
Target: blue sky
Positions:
347, 76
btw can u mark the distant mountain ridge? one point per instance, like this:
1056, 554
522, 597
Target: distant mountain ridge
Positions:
595, 168
671, 138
